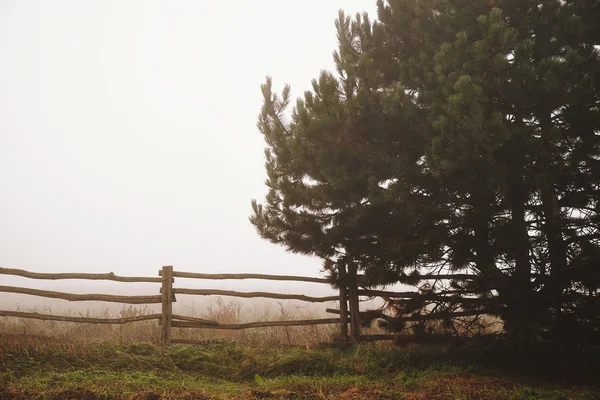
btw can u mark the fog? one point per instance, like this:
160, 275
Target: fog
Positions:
128, 136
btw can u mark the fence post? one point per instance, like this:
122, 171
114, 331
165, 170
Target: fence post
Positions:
167, 302
343, 284
354, 304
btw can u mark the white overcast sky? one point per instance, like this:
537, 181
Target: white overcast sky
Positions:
128, 133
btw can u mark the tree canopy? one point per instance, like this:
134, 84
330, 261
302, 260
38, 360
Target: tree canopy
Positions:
455, 136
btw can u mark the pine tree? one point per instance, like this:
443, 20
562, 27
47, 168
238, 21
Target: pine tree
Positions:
511, 89
458, 135
328, 166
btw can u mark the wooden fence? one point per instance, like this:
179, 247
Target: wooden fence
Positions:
348, 297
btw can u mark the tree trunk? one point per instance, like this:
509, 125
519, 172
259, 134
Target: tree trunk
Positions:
343, 284
521, 310
353, 299
553, 223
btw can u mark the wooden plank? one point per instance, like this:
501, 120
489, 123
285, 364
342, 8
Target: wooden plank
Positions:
413, 293
263, 324
268, 295
384, 293
54, 276
83, 297
193, 319
423, 317
167, 302
198, 342
445, 277
84, 320
195, 275
178, 274
406, 339
428, 277
225, 341
428, 296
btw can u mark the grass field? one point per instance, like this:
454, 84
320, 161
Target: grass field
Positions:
38, 368
65, 361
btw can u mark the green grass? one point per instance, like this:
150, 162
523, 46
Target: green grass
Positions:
112, 371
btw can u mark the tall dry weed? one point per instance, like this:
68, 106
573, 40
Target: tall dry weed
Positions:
220, 310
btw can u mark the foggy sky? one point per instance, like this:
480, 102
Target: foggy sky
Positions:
128, 133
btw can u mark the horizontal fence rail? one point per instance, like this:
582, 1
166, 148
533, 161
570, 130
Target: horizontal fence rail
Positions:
71, 275
262, 324
418, 317
81, 320
250, 295
425, 296
429, 277
111, 298
203, 321
194, 275
348, 283
407, 339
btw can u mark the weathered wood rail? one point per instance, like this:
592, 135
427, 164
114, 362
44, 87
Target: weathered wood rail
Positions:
83, 297
81, 320
196, 275
265, 324
348, 282
70, 275
418, 317
252, 295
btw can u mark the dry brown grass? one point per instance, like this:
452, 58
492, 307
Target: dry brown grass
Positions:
145, 331
220, 310
234, 312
